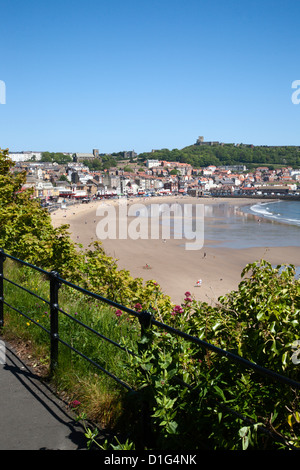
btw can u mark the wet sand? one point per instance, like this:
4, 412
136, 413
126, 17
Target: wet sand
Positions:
176, 269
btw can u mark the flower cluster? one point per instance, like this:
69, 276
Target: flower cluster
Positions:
177, 309
118, 313
186, 303
188, 297
75, 403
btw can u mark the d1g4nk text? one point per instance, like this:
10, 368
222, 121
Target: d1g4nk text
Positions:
151, 459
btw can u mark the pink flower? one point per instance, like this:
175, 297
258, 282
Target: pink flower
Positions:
188, 299
75, 403
177, 309
187, 294
118, 313
138, 307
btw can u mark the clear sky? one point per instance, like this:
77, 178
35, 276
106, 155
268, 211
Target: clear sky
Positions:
136, 74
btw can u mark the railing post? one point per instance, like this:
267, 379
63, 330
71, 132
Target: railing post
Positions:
54, 287
2, 259
145, 319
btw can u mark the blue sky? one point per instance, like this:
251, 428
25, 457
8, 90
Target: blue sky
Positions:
122, 75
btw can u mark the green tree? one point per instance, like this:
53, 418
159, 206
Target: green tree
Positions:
127, 168
26, 230
63, 178
56, 157
46, 157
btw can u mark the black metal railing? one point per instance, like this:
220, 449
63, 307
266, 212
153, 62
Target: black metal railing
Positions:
145, 318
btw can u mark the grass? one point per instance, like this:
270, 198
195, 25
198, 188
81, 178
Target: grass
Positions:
100, 396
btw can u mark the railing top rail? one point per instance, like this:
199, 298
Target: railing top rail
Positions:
25, 263
97, 296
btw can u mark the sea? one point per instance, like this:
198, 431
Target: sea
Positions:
260, 224
287, 212
257, 224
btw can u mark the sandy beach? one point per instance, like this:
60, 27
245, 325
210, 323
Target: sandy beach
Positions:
166, 261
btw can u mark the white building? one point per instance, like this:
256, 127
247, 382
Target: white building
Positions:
25, 156
84, 178
152, 163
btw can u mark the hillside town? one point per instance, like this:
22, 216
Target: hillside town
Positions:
53, 182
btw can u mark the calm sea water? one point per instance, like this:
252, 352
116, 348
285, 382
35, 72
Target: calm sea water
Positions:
254, 225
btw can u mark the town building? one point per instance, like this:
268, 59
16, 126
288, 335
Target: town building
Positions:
25, 156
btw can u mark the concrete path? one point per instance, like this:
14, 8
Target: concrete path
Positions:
31, 416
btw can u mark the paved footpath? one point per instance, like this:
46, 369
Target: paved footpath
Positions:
31, 416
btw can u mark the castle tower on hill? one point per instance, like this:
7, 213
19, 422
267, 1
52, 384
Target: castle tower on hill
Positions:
200, 141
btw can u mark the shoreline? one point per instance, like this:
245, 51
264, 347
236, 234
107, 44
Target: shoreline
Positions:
175, 269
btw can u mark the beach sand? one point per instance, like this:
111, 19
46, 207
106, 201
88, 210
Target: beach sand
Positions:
176, 269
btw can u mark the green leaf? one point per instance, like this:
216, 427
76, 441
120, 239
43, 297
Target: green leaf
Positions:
216, 326
284, 358
219, 392
172, 427
260, 315
274, 347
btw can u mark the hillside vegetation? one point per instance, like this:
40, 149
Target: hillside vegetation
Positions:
228, 154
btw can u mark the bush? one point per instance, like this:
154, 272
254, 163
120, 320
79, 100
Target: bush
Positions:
199, 400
